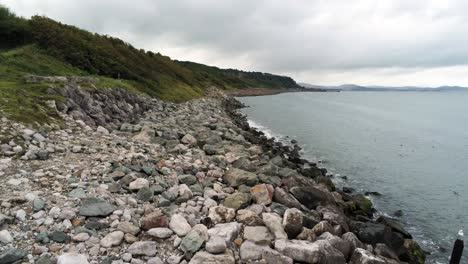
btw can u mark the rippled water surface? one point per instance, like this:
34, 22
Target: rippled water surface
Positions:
411, 147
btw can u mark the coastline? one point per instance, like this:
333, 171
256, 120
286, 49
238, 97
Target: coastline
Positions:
264, 91
418, 255
190, 181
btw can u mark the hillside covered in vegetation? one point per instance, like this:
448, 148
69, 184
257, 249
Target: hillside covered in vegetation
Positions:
43, 46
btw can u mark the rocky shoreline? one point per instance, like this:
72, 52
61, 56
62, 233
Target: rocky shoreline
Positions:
181, 183
264, 91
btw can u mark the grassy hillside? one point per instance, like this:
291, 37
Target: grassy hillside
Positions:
42, 46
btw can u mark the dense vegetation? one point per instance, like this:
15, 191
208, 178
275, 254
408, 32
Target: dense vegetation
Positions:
43, 46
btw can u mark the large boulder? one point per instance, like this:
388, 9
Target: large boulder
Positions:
258, 234
235, 177
342, 245
227, 231
262, 194
312, 197
284, 198
292, 222
320, 252
274, 223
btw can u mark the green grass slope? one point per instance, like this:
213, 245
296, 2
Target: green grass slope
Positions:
42, 46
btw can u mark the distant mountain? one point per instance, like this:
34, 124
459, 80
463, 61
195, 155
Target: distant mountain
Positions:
354, 87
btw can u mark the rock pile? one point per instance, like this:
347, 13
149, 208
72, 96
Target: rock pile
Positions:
187, 183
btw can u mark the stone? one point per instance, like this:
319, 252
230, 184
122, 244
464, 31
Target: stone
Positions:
11, 255
342, 245
160, 232
145, 194
385, 251
38, 204
362, 256
322, 227
216, 245
258, 234
202, 231
274, 224
155, 260
5, 237
112, 239
128, 228
307, 234
179, 225
312, 197
334, 216
96, 207
59, 237
187, 179
292, 222
318, 252
143, 248
249, 218
191, 243
204, 257
154, 219
261, 194
138, 184
274, 257
77, 193
72, 258
81, 237
414, 252
102, 130
394, 225
282, 197
188, 140
235, 177
237, 200
250, 251
227, 231
352, 238
221, 214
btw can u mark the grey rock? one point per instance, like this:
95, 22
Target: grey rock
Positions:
237, 200
5, 237
38, 204
216, 245
274, 223
77, 193
59, 237
204, 257
96, 207
318, 252
145, 194
227, 231
128, 228
160, 232
292, 222
143, 248
112, 239
72, 258
192, 242
221, 214
342, 245
11, 255
179, 225
235, 177
258, 234
251, 251
274, 257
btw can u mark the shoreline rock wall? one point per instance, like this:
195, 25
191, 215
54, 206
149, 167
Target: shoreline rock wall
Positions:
186, 183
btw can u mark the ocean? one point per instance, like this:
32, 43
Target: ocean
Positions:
412, 147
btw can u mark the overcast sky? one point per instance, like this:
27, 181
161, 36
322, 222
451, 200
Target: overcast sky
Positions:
367, 42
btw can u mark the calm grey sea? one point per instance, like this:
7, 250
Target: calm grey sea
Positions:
410, 146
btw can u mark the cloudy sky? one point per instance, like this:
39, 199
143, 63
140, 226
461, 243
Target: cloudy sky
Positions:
367, 42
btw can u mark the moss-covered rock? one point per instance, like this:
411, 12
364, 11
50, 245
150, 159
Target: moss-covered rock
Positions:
414, 254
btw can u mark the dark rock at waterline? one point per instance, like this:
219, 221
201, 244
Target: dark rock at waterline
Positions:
394, 225
373, 193
398, 213
311, 197
373, 233
348, 189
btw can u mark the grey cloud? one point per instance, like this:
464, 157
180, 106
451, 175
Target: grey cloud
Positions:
279, 36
